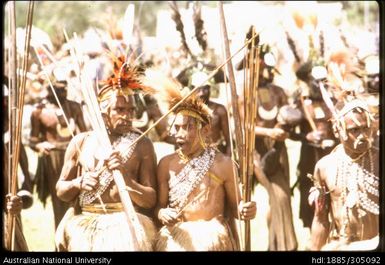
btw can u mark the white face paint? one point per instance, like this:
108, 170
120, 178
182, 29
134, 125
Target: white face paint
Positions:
358, 131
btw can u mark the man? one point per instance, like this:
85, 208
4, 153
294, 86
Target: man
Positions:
197, 184
49, 137
195, 75
347, 186
100, 224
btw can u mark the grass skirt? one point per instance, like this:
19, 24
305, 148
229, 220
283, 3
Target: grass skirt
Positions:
101, 232
213, 235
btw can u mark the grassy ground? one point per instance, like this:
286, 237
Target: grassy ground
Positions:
38, 221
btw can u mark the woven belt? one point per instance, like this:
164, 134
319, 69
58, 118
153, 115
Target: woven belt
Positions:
112, 207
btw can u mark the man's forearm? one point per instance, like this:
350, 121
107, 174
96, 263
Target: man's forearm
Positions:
261, 131
67, 190
319, 234
33, 142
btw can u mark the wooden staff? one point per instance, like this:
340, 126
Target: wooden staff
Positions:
234, 96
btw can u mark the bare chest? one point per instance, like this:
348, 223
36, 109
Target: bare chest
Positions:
94, 156
355, 197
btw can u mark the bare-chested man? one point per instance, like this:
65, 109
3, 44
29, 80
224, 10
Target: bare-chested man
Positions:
194, 76
49, 137
347, 186
197, 185
101, 225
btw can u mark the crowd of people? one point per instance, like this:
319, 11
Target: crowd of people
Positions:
190, 199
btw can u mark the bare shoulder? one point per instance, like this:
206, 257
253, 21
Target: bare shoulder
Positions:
166, 160
219, 108
223, 166
145, 144
79, 139
326, 167
325, 161
164, 166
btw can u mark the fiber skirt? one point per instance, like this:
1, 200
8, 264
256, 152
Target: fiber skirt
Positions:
213, 235
101, 232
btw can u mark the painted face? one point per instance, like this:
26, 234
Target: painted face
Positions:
121, 114
204, 93
186, 133
358, 132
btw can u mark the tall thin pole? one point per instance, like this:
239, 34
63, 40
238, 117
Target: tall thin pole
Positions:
13, 101
234, 96
234, 101
19, 114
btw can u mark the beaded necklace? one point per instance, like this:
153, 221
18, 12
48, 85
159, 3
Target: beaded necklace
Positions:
182, 184
87, 197
356, 183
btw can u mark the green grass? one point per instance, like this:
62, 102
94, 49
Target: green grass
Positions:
38, 226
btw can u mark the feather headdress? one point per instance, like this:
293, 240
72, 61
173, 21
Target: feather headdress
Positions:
125, 80
172, 93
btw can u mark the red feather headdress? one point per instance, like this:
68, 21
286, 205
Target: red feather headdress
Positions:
125, 80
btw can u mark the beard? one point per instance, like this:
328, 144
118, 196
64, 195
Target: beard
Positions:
122, 126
